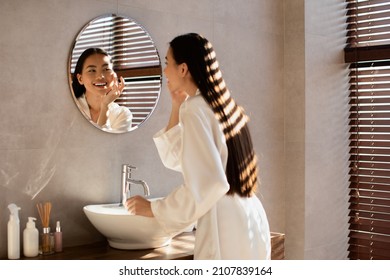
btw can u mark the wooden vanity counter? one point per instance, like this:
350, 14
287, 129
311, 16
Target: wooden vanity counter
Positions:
181, 248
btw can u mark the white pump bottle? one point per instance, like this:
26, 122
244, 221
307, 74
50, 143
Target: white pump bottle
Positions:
13, 232
30, 239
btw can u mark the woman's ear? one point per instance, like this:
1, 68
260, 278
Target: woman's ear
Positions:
79, 78
183, 69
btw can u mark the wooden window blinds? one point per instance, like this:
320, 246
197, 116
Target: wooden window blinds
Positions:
368, 53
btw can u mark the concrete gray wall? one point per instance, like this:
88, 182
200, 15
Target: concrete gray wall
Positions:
279, 64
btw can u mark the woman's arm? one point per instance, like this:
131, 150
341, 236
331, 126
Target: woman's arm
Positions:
203, 171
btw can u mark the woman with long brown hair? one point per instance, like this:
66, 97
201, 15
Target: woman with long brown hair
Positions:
207, 139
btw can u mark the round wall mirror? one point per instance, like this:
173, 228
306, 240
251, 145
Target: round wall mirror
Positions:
134, 57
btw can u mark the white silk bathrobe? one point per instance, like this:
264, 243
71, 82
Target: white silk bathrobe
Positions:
228, 227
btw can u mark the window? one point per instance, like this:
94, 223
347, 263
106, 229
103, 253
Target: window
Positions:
368, 53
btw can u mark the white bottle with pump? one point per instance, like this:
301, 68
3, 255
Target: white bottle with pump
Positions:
30, 239
13, 232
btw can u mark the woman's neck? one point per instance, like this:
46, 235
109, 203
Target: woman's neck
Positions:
191, 89
94, 103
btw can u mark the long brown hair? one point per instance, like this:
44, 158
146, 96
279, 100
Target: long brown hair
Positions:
198, 53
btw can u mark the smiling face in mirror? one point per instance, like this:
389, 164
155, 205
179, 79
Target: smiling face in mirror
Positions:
115, 74
97, 75
96, 86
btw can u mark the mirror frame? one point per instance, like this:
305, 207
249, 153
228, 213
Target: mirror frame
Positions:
142, 72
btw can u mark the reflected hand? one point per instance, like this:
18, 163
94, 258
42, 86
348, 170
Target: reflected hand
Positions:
137, 205
115, 91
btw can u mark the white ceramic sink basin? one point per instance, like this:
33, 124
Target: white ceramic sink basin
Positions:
125, 231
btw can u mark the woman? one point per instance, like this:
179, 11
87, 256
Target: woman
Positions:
96, 87
207, 139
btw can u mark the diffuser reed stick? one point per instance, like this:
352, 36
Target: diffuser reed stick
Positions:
44, 213
47, 238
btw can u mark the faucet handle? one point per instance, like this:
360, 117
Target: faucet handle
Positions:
128, 167
126, 170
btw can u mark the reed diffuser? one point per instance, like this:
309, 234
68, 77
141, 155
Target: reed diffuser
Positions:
47, 238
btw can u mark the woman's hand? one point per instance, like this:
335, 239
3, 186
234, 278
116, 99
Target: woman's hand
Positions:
111, 96
137, 205
115, 91
178, 97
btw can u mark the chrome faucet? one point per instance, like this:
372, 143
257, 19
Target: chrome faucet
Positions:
127, 181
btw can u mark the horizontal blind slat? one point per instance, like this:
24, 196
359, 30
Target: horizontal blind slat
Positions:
373, 229
371, 201
369, 215
377, 136
369, 186
370, 108
362, 253
369, 122
369, 165
369, 208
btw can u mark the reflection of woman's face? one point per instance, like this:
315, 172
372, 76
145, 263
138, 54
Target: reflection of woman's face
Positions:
97, 75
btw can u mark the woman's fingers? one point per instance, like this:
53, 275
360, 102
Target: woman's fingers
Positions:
121, 84
179, 96
137, 205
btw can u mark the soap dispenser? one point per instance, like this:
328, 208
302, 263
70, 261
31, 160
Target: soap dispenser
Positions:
30, 239
13, 232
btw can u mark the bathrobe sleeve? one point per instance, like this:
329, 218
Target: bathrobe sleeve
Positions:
168, 145
119, 118
203, 172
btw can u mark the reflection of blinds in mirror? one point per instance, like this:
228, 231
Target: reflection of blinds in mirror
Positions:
127, 42
140, 96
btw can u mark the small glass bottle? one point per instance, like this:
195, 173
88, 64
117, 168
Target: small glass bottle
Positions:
47, 242
58, 238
